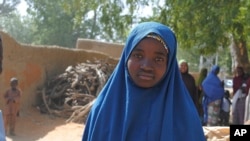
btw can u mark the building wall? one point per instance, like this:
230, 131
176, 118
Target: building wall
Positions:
112, 49
34, 65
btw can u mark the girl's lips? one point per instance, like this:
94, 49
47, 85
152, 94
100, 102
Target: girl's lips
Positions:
146, 76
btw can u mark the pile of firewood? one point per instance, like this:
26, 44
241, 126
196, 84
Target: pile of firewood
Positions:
71, 94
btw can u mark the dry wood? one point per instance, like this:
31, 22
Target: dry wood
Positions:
45, 101
81, 112
72, 93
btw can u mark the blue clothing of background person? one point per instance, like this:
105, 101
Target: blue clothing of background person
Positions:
213, 92
145, 98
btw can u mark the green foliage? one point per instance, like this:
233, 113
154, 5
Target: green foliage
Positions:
205, 25
21, 29
54, 25
201, 27
112, 18
8, 6
61, 22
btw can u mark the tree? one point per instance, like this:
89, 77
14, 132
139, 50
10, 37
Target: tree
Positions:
111, 20
205, 27
20, 28
61, 22
209, 25
8, 6
53, 25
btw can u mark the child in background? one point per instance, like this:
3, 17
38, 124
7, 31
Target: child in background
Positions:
12, 102
225, 109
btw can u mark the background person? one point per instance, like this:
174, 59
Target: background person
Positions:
1, 55
238, 105
213, 89
239, 78
189, 81
2, 132
247, 109
12, 102
200, 93
225, 109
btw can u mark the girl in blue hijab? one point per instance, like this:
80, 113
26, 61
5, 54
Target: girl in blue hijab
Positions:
145, 98
213, 89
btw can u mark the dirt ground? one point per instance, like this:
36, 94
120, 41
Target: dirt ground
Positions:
33, 126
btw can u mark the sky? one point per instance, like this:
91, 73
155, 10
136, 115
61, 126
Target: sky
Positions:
22, 7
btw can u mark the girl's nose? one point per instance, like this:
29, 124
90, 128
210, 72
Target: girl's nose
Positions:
146, 64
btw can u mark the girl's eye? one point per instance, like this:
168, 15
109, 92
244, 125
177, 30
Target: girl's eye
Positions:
159, 59
137, 55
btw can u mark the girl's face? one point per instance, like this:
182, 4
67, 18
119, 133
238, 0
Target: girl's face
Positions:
147, 62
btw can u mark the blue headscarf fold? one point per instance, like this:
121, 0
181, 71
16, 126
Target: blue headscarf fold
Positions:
126, 112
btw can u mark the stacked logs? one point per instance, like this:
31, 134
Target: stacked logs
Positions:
71, 94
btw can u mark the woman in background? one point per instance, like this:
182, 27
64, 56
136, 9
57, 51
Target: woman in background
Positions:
201, 78
213, 89
189, 81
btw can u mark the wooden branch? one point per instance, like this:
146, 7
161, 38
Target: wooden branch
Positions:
80, 113
44, 100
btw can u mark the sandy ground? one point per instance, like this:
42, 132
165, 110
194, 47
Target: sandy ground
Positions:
33, 126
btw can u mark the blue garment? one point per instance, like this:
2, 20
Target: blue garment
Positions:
126, 112
213, 89
2, 131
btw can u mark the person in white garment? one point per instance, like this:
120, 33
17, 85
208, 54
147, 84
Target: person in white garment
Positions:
238, 105
247, 110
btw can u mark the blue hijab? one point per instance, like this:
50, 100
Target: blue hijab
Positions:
126, 112
212, 88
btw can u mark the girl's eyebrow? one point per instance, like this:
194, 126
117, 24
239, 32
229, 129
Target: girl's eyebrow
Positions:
138, 49
157, 52
161, 53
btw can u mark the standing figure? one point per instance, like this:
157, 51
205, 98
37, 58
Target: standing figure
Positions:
2, 133
201, 78
189, 81
12, 102
213, 89
247, 109
145, 98
239, 78
238, 105
239, 96
1, 55
225, 109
